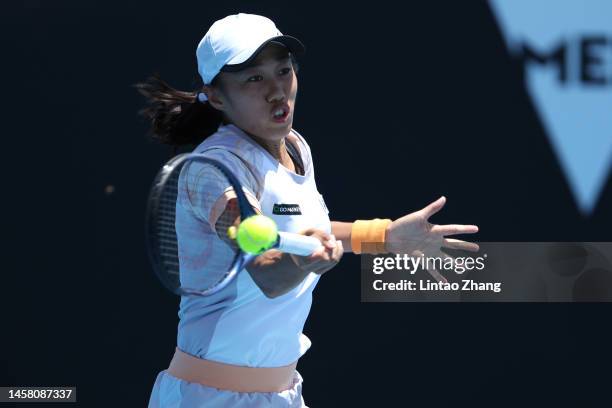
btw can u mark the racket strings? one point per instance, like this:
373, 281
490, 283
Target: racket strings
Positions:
194, 256
229, 218
166, 229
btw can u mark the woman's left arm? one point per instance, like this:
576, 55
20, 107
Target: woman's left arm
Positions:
342, 232
414, 232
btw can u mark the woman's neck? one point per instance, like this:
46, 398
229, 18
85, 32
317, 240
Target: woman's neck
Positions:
277, 148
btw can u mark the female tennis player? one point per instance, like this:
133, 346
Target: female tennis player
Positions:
240, 347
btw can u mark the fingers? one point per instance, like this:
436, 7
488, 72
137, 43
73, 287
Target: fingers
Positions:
432, 271
331, 250
319, 254
437, 275
441, 255
338, 252
330, 241
462, 245
434, 207
453, 229
319, 234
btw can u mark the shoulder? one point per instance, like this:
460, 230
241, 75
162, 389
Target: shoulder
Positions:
229, 148
298, 140
227, 137
230, 138
294, 135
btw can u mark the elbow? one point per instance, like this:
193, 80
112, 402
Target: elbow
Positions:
273, 292
270, 273
271, 295
271, 288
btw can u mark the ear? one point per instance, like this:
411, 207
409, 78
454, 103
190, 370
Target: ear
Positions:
215, 98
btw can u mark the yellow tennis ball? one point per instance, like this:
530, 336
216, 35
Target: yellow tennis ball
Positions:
256, 234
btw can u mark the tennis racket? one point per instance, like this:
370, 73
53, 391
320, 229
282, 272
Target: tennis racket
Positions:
194, 184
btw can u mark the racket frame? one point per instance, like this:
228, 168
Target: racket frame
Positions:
241, 260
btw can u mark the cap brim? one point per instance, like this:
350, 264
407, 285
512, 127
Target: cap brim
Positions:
293, 44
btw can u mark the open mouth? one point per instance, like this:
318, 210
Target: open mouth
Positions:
280, 114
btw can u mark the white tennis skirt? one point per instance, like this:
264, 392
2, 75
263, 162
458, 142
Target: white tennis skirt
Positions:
171, 392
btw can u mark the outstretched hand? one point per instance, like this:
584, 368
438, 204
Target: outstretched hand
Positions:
414, 235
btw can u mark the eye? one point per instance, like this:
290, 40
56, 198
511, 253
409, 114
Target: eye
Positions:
254, 78
285, 71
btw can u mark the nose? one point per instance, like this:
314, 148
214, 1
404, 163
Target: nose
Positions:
276, 91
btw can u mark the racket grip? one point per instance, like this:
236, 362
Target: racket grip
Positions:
297, 244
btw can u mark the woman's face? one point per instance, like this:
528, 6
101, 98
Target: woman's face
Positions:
261, 99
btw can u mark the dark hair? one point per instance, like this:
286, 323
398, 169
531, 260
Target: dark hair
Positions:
177, 117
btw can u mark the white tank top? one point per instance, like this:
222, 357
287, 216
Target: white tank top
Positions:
240, 325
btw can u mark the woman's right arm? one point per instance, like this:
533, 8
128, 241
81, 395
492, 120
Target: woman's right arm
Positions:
276, 272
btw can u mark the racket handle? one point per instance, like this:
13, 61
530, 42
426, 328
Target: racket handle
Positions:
297, 244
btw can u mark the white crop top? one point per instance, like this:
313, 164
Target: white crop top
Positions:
240, 325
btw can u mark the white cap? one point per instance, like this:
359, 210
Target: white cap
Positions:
234, 41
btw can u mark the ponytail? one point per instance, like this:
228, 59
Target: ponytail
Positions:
177, 118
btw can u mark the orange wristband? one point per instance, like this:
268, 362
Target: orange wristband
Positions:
371, 233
